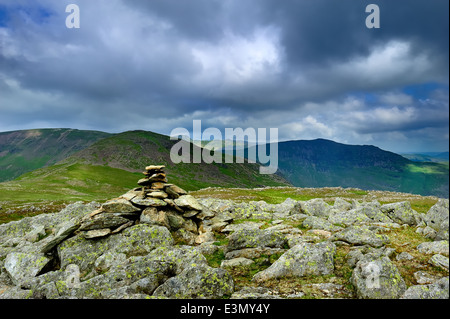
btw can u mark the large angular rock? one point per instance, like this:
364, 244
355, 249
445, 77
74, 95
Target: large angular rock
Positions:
437, 218
314, 222
22, 266
253, 238
435, 247
438, 290
140, 240
439, 261
378, 279
347, 218
197, 283
188, 202
401, 213
302, 260
103, 221
314, 207
361, 235
65, 230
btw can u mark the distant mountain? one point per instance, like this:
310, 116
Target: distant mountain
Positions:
427, 157
321, 163
27, 150
86, 165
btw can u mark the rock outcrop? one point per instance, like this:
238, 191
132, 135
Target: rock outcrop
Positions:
158, 241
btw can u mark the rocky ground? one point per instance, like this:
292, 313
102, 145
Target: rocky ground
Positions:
164, 243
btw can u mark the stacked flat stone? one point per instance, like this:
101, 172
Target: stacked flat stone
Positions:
155, 202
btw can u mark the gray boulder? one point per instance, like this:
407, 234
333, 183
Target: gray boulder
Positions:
22, 266
439, 261
314, 207
435, 247
314, 222
302, 260
348, 218
361, 235
378, 279
401, 213
438, 290
253, 238
201, 282
437, 218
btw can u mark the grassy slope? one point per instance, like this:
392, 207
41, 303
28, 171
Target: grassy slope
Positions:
25, 151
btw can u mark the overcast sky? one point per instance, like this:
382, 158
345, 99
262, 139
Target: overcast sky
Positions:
312, 69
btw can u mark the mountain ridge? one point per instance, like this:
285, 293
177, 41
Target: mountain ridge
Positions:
302, 163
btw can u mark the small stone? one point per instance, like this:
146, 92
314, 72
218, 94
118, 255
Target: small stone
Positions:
158, 185
97, 233
154, 167
236, 263
190, 213
404, 256
149, 202
158, 194
206, 237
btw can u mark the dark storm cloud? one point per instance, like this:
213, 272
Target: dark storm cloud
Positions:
303, 66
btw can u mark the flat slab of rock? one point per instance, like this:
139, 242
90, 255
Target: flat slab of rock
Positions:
361, 235
435, 247
189, 202
21, 266
97, 233
120, 205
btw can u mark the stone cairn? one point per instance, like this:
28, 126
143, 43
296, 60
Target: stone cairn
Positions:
155, 202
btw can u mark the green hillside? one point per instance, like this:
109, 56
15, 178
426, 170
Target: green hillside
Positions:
25, 151
113, 165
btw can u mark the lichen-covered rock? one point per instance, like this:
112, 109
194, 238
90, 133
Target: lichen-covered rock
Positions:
438, 290
437, 218
314, 207
21, 266
401, 213
119, 205
439, 261
65, 230
348, 218
252, 238
314, 222
435, 247
378, 279
373, 211
361, 235
239, 262
302, 260
81, 252
202, 282
254, 293
140, 239
188, 202
342, 205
